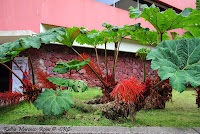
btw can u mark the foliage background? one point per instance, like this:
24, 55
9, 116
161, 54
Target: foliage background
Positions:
198, 4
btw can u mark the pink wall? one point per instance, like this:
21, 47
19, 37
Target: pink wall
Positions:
181, 4
28, 14
20, 15
87, 13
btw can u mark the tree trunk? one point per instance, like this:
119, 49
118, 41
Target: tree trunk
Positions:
144, 71
198, 96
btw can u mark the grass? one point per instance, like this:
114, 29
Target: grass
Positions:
181, 112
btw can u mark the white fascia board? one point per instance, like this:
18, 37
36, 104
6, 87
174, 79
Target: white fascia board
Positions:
17, 33
45, 27
10, 36
127, 45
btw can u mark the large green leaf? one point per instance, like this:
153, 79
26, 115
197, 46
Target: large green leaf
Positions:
94, 38
76, 85
34, 42
178, 60
70, 36
163, 21
52, 35
193, 31
76, 65
147, 37
10, 50
115, 33
53, 102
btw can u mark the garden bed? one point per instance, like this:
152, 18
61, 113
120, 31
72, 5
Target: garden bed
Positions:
181, 112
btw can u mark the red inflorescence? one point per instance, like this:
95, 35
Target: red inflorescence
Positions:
10, 98
45, 82
128, 91
93, 65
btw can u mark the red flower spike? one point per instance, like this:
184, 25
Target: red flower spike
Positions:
45, 82
128, 91
10, 98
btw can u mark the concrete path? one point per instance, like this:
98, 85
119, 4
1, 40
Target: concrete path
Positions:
47, 129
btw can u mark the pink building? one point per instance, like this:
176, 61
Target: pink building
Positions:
20, 18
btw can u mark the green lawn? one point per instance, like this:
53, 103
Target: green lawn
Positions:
181, 112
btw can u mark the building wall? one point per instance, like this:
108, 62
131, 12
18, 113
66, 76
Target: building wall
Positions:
20, 15
127, 66
29, 14
181, 4
88, 13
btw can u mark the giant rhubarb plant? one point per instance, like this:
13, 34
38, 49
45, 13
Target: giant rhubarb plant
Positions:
178, 61
8, 51
53, 102
93, 38
165, 21
142, 53
59, 100
113, 34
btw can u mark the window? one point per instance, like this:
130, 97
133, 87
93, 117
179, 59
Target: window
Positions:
5, 78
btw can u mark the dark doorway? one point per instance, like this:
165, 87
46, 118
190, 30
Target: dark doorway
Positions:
4, 78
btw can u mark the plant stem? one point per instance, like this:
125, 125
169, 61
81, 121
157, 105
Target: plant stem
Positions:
116, 56
144, 70
158, 38
70, 73
32, 69
106, 60
19, 68
113, 69
159, 83
161, 37
90, 67
14, 73
95, 48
